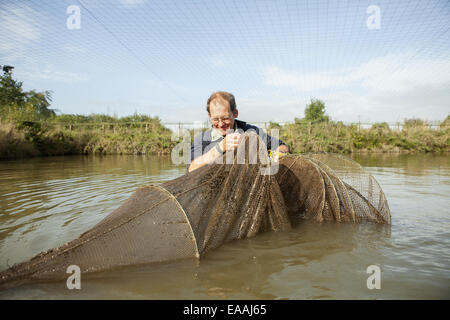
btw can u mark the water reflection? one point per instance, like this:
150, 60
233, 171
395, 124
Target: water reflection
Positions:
46, 202
415, 164
281, 265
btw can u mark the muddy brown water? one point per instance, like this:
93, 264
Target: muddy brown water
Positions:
45, 202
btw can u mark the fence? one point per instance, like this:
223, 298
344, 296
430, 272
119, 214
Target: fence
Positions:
174, 126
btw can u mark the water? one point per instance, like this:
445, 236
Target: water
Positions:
45, 202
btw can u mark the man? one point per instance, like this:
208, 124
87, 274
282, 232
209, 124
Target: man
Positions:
223, 136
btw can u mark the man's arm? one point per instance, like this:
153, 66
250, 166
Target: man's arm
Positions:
207, 158
230, 142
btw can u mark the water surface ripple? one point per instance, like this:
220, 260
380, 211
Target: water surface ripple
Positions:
45, 202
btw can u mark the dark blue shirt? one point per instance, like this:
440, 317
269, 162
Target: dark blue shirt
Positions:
202, 142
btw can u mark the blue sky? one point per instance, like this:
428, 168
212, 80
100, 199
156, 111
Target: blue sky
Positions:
164, 58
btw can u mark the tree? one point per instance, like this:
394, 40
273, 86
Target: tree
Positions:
41, 103
16, 104
10, 90
315, 111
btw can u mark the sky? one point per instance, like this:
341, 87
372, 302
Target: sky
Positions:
369, 61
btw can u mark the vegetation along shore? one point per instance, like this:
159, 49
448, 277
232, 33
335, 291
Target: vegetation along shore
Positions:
29, 127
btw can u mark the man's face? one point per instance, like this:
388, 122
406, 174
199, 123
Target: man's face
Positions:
220, 115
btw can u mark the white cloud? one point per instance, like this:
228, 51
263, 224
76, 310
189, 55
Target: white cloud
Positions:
274, 109
21, 27
401, 73
388, 88
280, 78
19, 22
19, 30
389, 73
251, 110
48, 72
431, 104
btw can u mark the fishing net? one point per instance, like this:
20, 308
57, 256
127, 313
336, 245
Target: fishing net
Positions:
331, 187
239, 196
367, 198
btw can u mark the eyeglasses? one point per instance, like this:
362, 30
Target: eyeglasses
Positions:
226, 120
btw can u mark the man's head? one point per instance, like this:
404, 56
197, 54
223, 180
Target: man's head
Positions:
222, 111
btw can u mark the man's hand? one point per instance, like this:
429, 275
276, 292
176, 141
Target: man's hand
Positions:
280, 152
283, 149
230, 142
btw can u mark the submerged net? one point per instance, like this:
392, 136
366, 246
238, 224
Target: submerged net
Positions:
199, 211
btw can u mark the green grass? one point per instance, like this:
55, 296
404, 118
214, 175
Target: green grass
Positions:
27, 139
23, 139
335, 137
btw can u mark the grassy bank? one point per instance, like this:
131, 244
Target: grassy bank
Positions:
23, 139
28, 139
414, 136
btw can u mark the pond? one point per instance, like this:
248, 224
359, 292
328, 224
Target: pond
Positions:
45, 202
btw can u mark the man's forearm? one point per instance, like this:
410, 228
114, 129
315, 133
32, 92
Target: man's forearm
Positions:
207, 158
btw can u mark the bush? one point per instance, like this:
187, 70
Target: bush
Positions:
410, 123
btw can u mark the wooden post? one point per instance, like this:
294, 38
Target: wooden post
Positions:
291, 137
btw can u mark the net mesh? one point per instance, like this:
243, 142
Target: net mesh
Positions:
150, 218
362, 188
199, 211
